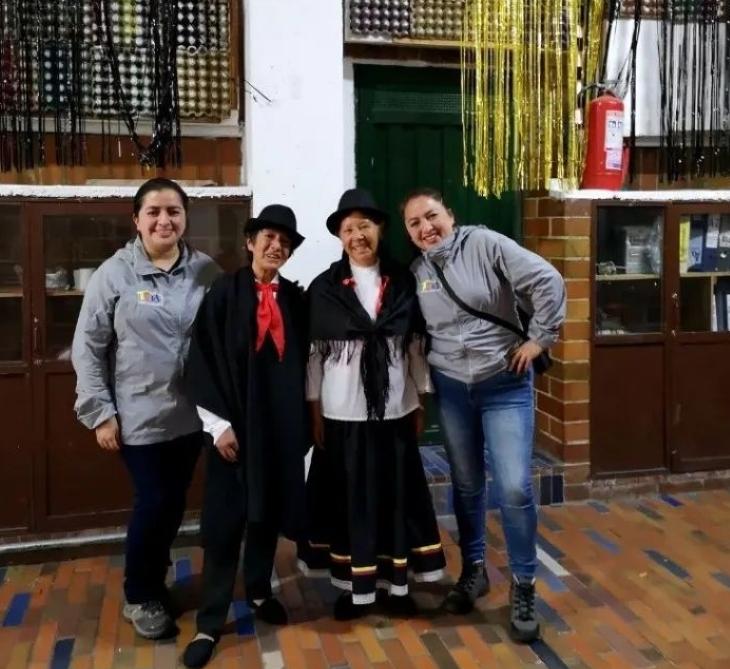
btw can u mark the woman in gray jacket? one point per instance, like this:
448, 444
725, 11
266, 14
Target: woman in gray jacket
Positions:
131, 340
483, 376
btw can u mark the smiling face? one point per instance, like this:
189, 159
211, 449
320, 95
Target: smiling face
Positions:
360, 237
427, 221
270, 249
161, 221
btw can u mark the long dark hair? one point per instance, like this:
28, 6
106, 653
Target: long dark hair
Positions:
158, 184
423, 191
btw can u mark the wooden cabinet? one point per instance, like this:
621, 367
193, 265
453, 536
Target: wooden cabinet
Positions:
660, 360
53, 475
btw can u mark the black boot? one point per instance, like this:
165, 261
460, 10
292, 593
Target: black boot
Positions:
523, 621
472, 583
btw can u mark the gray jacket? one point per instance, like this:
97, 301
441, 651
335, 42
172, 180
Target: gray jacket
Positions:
491, 273
131, 342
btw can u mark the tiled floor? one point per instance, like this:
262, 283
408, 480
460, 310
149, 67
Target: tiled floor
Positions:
624, 585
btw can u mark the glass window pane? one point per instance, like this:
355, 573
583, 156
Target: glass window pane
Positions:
704, 272
629, 270
217, 229
74, 246
11, 284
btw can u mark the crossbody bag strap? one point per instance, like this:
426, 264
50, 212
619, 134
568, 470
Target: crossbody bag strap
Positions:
475, 312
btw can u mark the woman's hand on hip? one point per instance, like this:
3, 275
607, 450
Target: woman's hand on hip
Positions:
107, 434
523, 356
227, 445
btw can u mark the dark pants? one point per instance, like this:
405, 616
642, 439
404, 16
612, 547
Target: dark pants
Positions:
161, 474
222, 527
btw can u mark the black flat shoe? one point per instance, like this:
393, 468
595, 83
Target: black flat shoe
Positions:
271, 611
198, 653
403, 606
344, 608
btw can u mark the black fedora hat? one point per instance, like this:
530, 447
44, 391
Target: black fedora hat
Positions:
355, 199
278, 217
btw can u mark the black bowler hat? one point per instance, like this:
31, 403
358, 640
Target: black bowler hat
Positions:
355, 199
278, 217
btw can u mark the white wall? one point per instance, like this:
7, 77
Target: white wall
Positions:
297, 150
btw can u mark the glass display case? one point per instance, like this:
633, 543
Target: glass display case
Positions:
628, 272
704, 271
660, 360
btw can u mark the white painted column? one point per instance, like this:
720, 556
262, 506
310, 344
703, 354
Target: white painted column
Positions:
297, 151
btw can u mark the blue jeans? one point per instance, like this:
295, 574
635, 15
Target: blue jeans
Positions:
496, 414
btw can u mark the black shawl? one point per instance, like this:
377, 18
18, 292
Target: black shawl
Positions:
337, 317
221, 377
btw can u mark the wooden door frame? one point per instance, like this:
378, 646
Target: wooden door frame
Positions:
42, 367
678, 339
660, 338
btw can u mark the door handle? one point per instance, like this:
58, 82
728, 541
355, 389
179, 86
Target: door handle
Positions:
36, 337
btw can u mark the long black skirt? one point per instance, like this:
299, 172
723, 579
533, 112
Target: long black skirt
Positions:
371, 518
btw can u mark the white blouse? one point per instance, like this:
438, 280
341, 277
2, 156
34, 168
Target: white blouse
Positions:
337, 383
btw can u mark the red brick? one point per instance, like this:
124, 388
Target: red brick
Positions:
578, 288
550, 207
536, 227
576, 330
575, 269
550, 406
573, 411
570, 391
570, 227
576, 432
529, 207
571, 350
578, 309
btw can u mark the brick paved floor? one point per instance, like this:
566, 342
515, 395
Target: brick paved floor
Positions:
625, 585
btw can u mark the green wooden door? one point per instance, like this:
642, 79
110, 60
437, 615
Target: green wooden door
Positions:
408, 135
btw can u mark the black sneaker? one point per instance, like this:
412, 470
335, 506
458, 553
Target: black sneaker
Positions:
472, 583
523, 622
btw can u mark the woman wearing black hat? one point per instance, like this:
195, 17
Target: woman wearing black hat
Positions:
371, 516
246, 374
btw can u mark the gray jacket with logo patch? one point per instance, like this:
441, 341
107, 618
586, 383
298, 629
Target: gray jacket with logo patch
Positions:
131, 342
492, 273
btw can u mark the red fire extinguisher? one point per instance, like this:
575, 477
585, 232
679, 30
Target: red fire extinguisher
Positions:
606, 158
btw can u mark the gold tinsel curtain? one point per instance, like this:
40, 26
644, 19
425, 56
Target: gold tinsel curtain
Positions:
523, 66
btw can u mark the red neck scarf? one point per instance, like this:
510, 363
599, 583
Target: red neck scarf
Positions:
268, 318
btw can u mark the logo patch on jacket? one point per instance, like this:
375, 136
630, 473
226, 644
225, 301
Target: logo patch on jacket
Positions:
149, 297
429, 286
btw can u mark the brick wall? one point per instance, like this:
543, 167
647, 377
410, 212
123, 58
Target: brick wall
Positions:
560, 232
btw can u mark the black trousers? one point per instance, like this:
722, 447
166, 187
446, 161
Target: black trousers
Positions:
161, 474
223, 526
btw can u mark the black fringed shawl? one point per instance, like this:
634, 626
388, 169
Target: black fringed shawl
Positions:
220, 376
337, 317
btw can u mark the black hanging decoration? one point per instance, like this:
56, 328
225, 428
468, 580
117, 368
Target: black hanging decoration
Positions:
160, 37
694, 77
695, 95
63, 62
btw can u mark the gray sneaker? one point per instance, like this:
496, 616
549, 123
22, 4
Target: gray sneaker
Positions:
150, 620
524, 627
